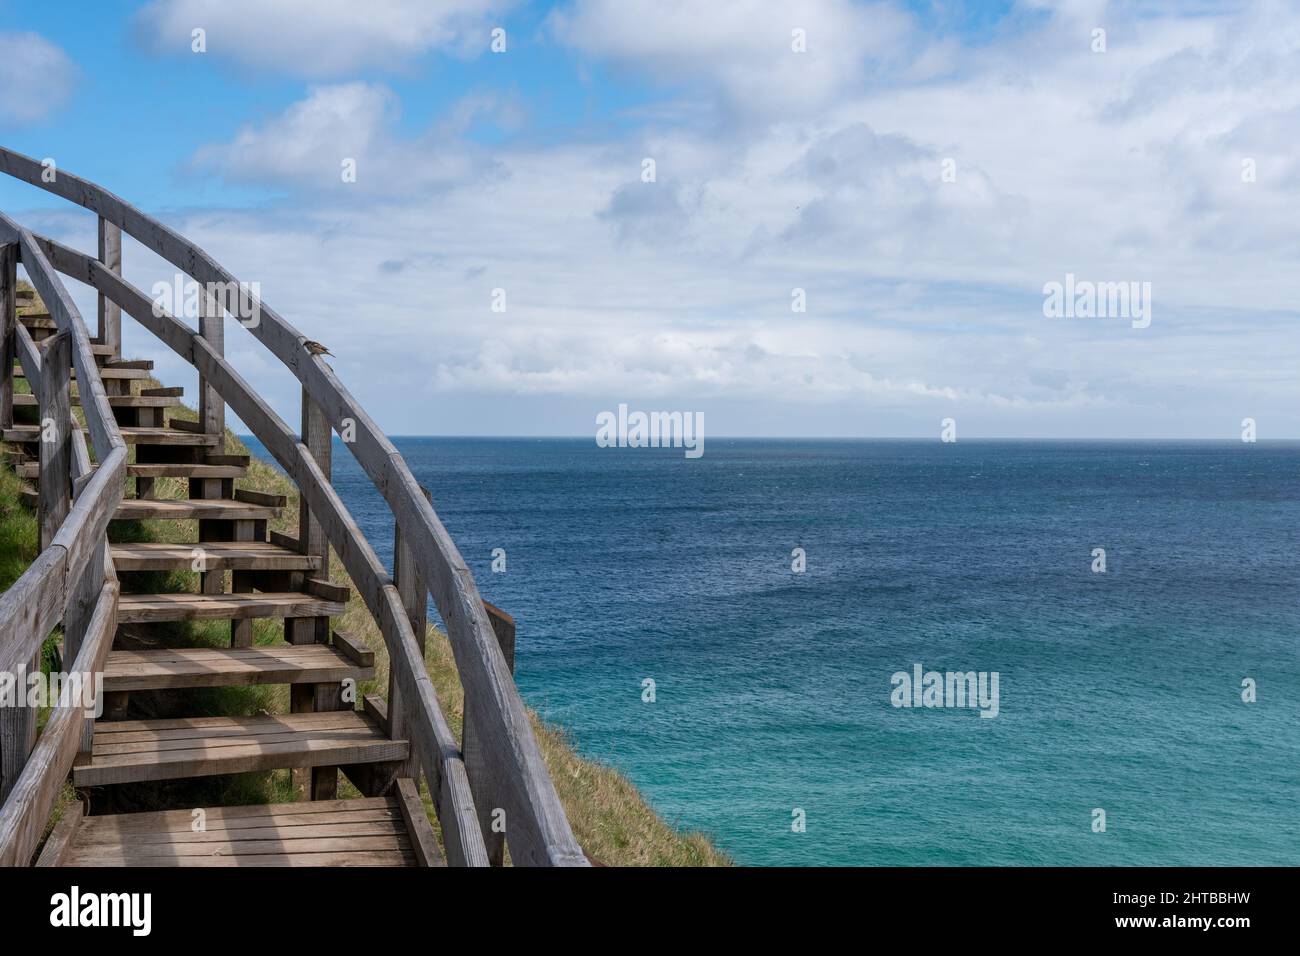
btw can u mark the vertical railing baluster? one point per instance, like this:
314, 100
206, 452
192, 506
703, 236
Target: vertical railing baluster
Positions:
212, 410
317, 436
110, 314
76, 620
486, 802
16, 723
8, 326
55, 435
414, 594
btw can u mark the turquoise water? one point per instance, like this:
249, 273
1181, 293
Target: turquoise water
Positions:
1119, 691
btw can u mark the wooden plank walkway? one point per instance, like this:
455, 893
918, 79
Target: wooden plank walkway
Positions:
369, 831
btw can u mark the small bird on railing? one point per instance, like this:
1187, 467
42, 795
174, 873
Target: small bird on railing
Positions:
315, 348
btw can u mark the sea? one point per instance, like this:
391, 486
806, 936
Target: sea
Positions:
732, 632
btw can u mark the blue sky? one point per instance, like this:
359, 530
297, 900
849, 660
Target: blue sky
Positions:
825, 170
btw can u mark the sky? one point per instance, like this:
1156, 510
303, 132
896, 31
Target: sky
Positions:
854, 213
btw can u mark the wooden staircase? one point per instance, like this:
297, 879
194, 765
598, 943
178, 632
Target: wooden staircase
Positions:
244, 576
489, 784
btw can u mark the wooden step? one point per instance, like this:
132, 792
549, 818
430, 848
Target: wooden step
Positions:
166, 436
41, 332
38, 320
225, 666
131, 435
192, 509
31, 469
217, 556
365, 831
129, 751
182, 470
105, 371
152, 608
116, 401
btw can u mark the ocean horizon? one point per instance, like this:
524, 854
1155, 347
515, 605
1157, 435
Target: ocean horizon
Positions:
773, 589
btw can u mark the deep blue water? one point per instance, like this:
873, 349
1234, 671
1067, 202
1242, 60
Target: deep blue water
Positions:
1119, 691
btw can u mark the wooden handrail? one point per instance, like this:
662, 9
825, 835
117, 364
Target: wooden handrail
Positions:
72, 579
515, 778
430, 733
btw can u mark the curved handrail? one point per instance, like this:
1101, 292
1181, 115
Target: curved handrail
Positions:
72, 579
539, 831
88, 518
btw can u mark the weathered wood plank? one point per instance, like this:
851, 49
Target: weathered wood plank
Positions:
262, 498
421, 835
316, 436
109, 312
81, 465
145, 608
61, 837
353, 649
136, 825
212, 327
31, 607
8, 326
55, 427
217, 556
234, 745
29, 356
477, 768
82, 532
191, 509
223, 667
348, 858
83, 600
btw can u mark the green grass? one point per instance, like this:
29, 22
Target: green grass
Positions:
17, 531
611, 820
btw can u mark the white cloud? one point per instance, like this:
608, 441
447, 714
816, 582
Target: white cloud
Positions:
743, 49
347, 126
321, 38
924, 296
36, 77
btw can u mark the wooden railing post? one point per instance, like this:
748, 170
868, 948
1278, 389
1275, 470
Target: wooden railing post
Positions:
110, 313
414, 594
212, 410
8, 323
316, 435
82, 602
486, 802
17, 736
55, 403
